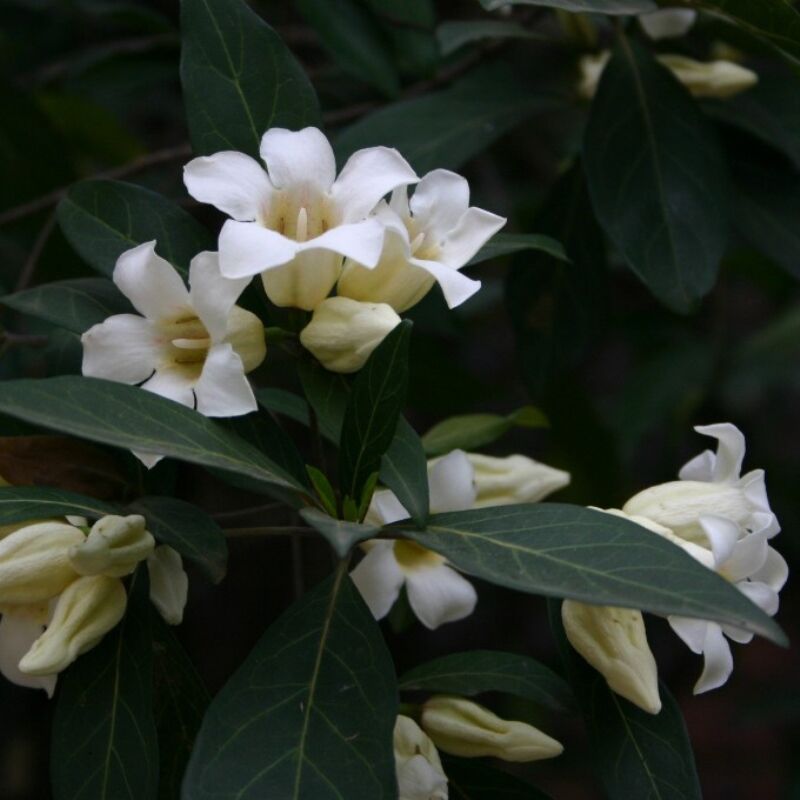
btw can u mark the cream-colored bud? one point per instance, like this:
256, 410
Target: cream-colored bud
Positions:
463, 728
420, 775
709, 79
614, 642
114, 547
34, 562
514, 479
246, 335
87, 609
343, 333
305, 281
169, 584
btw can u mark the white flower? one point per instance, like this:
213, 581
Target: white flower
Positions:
114, 547
192, 346
710, 484
668, 23
169, 583
436, 592
513, 479
755, 568
428, 239
295, 221
20, 627
420, 775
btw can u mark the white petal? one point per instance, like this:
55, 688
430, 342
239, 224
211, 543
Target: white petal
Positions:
148, 459
762, 595
722, 535
247, 248
718, 660
456, 287
668, 23
223, 389
385, 508
369, 175
774, 572
361, 241
151, 284
173, 385
418, 779
169, 583
123, 349
700, 468
17, 634
379, 579
213, 296
297, 158
748, 557
233, 182
452, 483
737, 634
440, 199
691, 631
473, 230
439, 594
754, 486
730, 449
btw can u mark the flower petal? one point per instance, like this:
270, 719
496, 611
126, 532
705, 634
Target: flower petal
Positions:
700, 468
667, 23
246, 249
361, 241
17, 633
456, 287
452, 483
232, 182
213, 296
223, 389
774, 572
379, 579
122, 349
385, 508
369, 175
762, 595
439, 594
298, 158
730, 450
718, 660
169, 584
473, 230
151, 284
722, 536
691, 631
747, 558
173, 385
439, 201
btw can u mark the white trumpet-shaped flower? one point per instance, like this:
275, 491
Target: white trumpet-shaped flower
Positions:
420, 775
429, 238
668, 23
20, 627
295, 221
193, 346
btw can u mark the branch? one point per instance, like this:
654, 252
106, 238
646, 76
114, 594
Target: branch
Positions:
29, 268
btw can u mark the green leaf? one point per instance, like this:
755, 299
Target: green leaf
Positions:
104, 744
282, 402
180, 701
478, 671
187, 529
353, 40
448, 128
342, 535
559, 550
475, 780
404, 469
580, 6
657, 178
103, 219
373, 409
635, 754
310, 713
323, 488
22, 503
238, 78
504, 244
471, 431
75, 305
327, 393
126, 416
453, 36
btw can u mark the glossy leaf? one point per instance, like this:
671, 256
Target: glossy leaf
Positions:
373, 410
656, 177
505, 244
580, 6
341, 535
104, 744
404, 470
309, 714
559, 550
478, 671
238, 78
475, 780
454, 35
75, 305
327, 393
187, 529
19, 504
102, 219
282, 402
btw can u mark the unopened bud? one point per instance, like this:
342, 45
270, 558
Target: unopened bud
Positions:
420, 775
514, 479
114, 546
709, 79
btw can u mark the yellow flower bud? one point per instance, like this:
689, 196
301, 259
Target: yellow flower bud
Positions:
343, 333
709, 79
246, 335
34, 562
614, 642
114, 547
463, 728
514, 479
420, 775
86, 610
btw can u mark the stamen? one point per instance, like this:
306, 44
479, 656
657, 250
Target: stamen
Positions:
193, 344
301, 231
417, 242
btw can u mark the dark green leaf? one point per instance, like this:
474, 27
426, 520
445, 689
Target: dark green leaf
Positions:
104, 744
453, 36
447, 128
471, 780
238, 78
580, 6
18, 504
187, 529
327, 393
309, 714
560, 550
404, 469
373, 409
282, 402
342, 536
75, 305
323, 488
102, 219
478, 671
657, 178
126, 416
504, 244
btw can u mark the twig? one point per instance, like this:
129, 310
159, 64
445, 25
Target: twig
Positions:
29, 268
246, 512
270, 530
